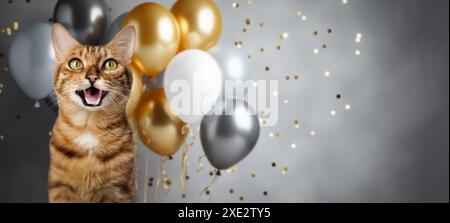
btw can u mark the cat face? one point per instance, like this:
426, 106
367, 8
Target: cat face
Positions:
92, 77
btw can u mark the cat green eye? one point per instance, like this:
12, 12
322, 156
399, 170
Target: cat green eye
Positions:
110, 65
76, 64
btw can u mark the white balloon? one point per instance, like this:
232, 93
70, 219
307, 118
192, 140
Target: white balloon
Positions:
192, 83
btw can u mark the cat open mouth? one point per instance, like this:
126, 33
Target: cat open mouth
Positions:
92, 96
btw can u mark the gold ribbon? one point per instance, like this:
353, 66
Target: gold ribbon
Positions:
212, 182
185, 156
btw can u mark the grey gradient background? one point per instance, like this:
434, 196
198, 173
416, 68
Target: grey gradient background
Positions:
392, 146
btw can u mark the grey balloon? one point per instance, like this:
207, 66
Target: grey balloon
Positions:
115, 27
32, 61
87, 20
229, 137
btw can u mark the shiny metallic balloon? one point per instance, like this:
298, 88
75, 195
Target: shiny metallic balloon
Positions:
230, 136
87, 20
115, 27
32, 60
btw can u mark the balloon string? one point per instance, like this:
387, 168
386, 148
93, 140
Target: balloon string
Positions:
185, 156
212, 182
158, 180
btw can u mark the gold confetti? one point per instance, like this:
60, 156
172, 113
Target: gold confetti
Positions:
295, 77
287, 77
324, 46
261, 24
299, 13
249, 56
235, 5
329, 31
232, 170
16, 26
183, 196
253, 175
6, 68
238, 43
285, 170
277, 134
261, 50
296, 124
284, 35
241, 198
231, 191
249, 2
278, 47
265, 193
1, 137
8, 31
316, 33
3, 30
247, 21
244, 30
50, 133
274, 164
267, 68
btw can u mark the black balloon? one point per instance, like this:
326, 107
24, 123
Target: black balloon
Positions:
87, 20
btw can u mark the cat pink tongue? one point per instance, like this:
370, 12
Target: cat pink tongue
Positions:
92, 96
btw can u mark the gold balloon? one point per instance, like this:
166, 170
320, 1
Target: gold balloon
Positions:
200, 23
157, 39
158, 128
135, 95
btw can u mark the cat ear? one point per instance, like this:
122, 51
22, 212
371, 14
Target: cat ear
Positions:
62, 41
124, 42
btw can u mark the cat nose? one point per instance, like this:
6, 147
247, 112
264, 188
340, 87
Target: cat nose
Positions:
92, 78
92, 75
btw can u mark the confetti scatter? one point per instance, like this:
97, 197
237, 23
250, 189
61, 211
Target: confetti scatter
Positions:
312, 133
238, 44
333, 112
357, 52
338, 96
284, 35
274, 164
231, 191
15, 26
232, 170
327, 73
347, 107
293, 145
253, 175
296, 124
265, 193
285, 170
2, 137
235, 5
247, 21
344, 2
316, 51
241, 198
358, 38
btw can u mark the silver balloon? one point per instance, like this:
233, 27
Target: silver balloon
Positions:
115, 27
32, 60
230, 136
87, 20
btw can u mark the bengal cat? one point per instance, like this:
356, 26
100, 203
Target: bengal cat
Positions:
91, 148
